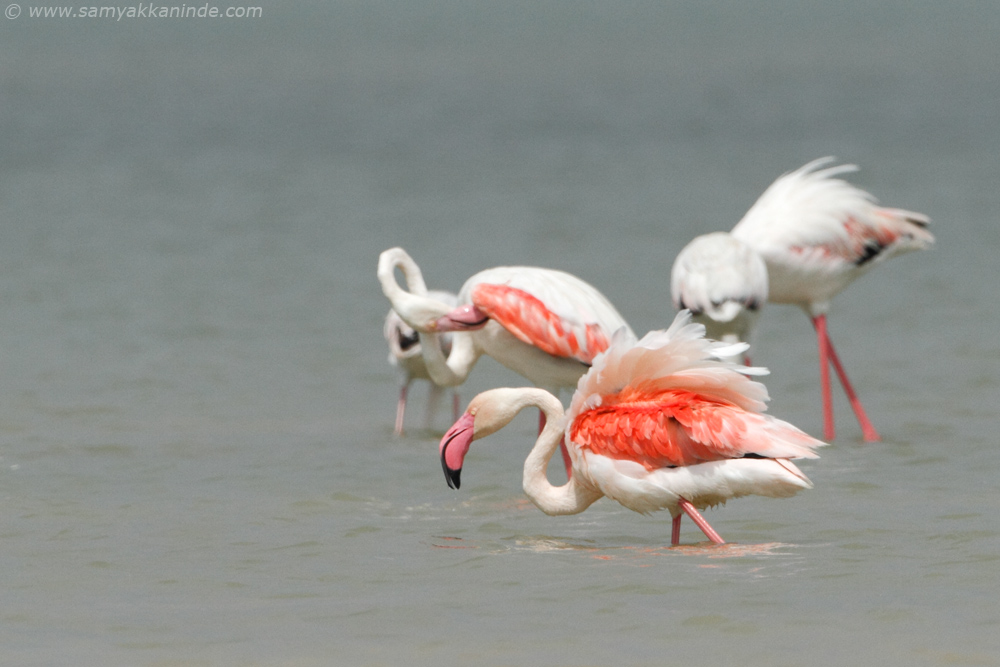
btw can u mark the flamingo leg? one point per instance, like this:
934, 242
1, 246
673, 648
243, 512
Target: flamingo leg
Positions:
401, 408
455, 406
699, 520
867, 430
562, 447
823, 342
675, 531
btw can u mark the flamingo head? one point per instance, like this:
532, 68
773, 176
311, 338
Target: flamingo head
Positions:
487, 413
463, 318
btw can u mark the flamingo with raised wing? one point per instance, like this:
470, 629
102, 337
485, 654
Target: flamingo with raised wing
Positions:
817, 234
662, 423
723, 282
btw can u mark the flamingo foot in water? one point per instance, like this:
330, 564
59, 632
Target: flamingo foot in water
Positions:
401, 409
828, 356
867, 430
689, 509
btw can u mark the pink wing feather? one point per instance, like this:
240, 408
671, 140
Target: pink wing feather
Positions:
533, 323
681, 428
669, 401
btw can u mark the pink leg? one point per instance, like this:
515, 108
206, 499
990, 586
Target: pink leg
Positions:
823, 342
401, 408
867, 430
675, 532
562, 447
700, 521
455, 406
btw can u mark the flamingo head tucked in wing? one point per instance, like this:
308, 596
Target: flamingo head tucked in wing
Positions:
463, 318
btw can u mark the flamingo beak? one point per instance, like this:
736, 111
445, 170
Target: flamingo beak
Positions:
454, 447
463, 318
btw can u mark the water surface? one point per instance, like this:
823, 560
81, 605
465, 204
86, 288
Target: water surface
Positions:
198, 465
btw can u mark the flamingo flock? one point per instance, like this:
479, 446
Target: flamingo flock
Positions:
671, 421
545, 325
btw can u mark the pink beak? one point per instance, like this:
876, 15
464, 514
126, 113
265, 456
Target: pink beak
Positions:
463, 318
454, 446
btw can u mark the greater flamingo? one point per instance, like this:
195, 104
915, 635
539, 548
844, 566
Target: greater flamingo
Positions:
723, 282
662, 423
817, 234
406, 354
543, 324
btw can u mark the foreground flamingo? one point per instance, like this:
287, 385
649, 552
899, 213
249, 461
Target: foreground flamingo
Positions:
723, 282
661, 423
405, 353
817, 234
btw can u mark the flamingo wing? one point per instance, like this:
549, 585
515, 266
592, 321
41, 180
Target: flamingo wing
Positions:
810, 217
675, 427
670, 399
551, 310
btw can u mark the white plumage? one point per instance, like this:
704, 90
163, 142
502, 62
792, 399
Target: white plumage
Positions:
723, 282
818, 233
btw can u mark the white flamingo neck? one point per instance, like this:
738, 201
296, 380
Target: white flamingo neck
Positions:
397, 258
570, 498
451, 370
414, 306
496, 408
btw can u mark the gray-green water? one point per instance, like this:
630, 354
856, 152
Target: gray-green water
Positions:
198, 465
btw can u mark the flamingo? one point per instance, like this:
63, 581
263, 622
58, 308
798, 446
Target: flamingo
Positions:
406, 354
817, 234
662, 423
723, 282
543, 324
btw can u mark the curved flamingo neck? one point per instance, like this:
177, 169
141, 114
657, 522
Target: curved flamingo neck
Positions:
452, 370
413, 306
573, 496
397, 258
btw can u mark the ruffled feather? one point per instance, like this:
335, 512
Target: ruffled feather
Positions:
670, 399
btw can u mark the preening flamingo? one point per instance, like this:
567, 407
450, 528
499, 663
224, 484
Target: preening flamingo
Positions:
543, 324
817, 234
662, 423
405, 353
723, 282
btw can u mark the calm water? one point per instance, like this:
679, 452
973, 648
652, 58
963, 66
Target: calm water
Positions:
198, 465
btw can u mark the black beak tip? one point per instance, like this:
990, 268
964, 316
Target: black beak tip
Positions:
453, 477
